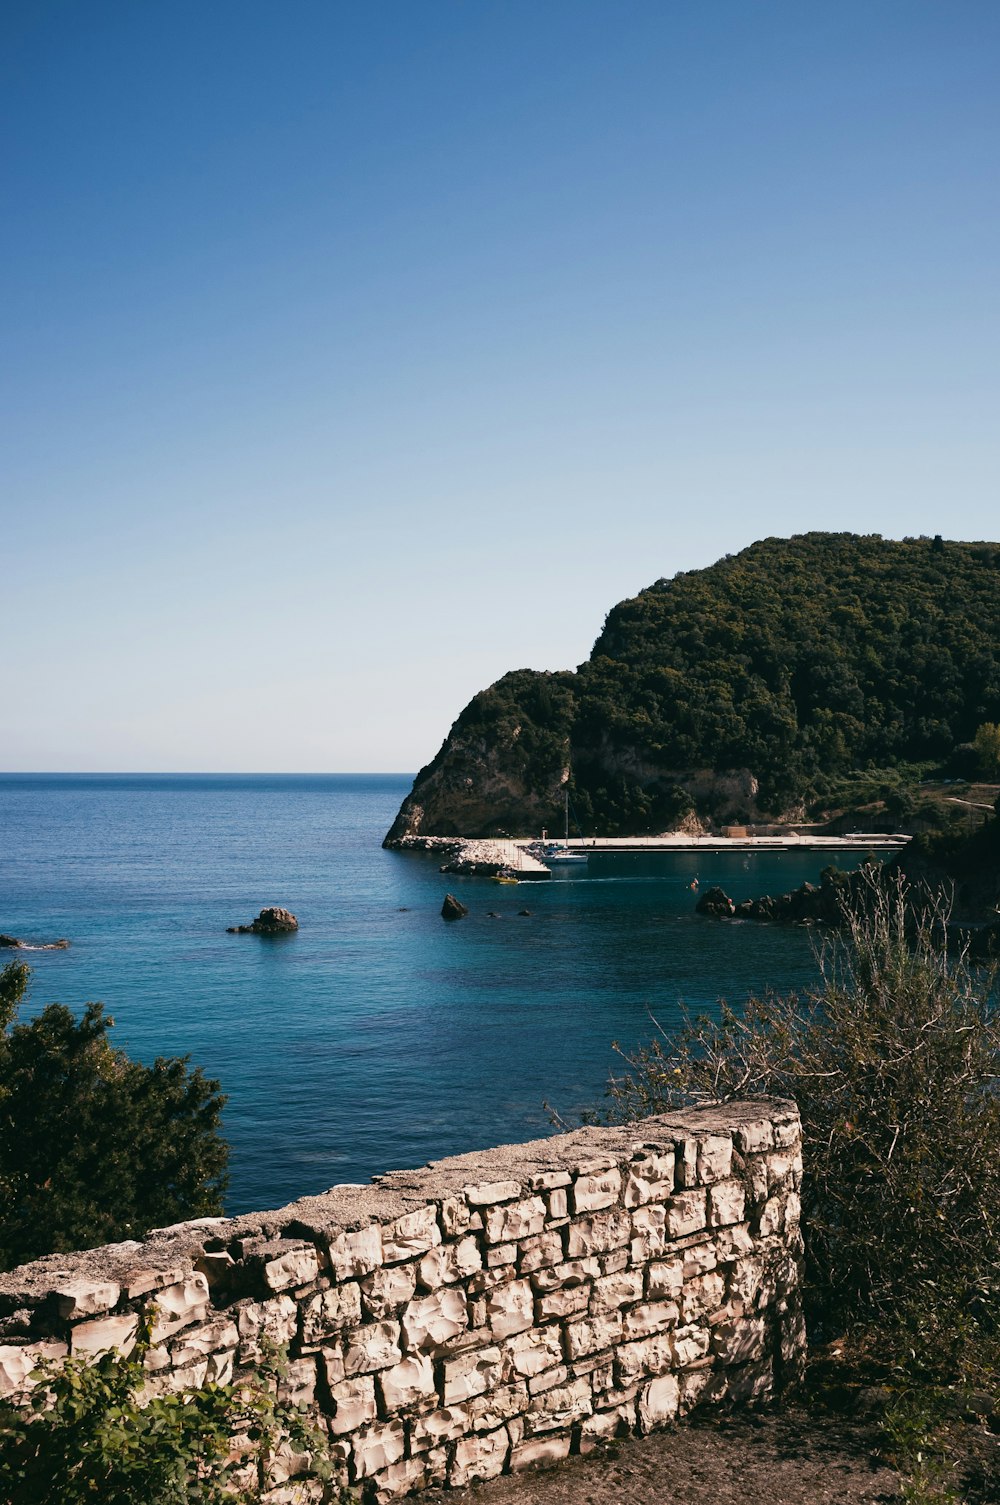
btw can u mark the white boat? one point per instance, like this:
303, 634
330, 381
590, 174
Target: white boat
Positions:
561, 855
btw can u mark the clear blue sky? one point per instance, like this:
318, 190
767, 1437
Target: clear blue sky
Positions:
356, 353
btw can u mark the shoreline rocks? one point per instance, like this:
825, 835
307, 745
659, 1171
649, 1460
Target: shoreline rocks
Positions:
271, 921
12, 943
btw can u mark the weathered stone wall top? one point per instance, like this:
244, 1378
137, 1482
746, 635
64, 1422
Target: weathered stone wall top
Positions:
485, 1312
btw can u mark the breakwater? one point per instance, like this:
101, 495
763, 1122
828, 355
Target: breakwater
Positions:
487, 1313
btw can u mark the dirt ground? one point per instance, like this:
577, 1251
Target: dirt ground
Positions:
754, 1458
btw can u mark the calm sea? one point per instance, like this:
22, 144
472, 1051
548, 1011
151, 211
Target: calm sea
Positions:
379, 1036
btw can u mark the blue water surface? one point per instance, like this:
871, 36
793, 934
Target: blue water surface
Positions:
379, 1036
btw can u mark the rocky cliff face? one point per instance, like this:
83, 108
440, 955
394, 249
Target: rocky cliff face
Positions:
503, 766
733, 694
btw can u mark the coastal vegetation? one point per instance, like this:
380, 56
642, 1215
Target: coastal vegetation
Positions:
94, 1146
793, 665
893, 1059
93, 1433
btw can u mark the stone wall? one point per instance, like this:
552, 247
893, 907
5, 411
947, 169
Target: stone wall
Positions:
487, 1313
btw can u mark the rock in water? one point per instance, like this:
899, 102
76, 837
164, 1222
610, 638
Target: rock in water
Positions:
452, 908
716, 902
270, 921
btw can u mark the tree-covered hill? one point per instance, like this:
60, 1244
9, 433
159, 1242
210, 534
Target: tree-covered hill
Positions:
739, 690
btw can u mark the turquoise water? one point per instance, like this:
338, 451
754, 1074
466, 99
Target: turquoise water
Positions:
379, 1036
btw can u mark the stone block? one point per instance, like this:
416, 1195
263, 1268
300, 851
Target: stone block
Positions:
637, 1361
593, 1335
434, 1428
570, 1301
179, 1304
471, 1374
515, 1220
377, 1448
787, 1133
557, 1203
386, 1291
498, 1255
449, 1263
540, 1452
598, 1234
664, 1279
284, 1263
486, 1412
510, 1308
706, 1293
275, 1321
733, 1243
754, 1136
357, 1253
353, 1405
658, 1402
600, 1428
715, 1158
600, 1189
535, 1351
687, 1212
406, 1383
693, 1383
455, 1216
548, 1180
689, 1345
430, 1321
85, 1298
613, 1291
726, 1203
17, 1362
330, 1311
198, 1342
653, 1317
412, 1234
373, 1346
480, 1457
572, 1272
541, 1252
649, 1233
560, 1407
739, 1340
686, 1162
699, 1259
411, 1474
101, 1333
489, 1192
297, 1386
332, 1360
547, 1381
771, 1218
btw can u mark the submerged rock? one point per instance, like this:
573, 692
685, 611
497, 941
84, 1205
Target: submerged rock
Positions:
11, 942
270, 921
715, 902
452, 908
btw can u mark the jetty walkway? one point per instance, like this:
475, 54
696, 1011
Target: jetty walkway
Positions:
523, 858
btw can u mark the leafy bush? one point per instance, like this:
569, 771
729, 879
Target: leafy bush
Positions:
894, 1061
96, 1147
88, 1437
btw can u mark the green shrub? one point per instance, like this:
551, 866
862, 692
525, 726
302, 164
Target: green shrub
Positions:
88, 1440
95, 1147
894, 1061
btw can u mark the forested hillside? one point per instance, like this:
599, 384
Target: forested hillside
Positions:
741, 689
